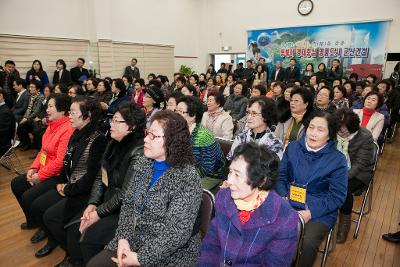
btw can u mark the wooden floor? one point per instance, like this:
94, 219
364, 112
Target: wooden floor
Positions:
368, 250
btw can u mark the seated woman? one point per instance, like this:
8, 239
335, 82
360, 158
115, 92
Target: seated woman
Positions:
237, 102
41, 176
119, 97
102, 212
357, 145
291, 127
189, 90
209, 89
81, 165
138, 92
26, 124
261, 115
208, 154
152, 100
339, 99
369, 116
282, 105
227, 89
323, 101
40, 121
216, 119
157, 222
253, 225
103, 94
173, 100
313, 177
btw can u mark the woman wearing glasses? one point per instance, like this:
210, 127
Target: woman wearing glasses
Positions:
261, 115
323, 101
157, 225
80, 167
208, 153
100, 218
291, 126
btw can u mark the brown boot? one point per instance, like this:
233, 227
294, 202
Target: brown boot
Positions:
344, 227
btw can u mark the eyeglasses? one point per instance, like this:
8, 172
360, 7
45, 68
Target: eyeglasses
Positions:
74, 113
180, 111
253, 114
151, 135
115, 121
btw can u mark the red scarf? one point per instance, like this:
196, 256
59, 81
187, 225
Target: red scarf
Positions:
246, 209
367, 113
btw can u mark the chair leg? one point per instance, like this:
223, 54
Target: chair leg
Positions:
362, 213
326, 249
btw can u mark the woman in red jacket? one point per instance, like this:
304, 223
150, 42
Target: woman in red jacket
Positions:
48, 162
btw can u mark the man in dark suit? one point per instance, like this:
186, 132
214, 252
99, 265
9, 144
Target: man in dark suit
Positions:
61, 74
292, 72
79, 73
335, 71
8, 75
278, 74
22, 100
132, 70
7, 125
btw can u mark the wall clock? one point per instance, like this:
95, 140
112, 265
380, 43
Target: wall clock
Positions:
305, 7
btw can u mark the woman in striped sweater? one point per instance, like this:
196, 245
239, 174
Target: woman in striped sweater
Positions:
209, 157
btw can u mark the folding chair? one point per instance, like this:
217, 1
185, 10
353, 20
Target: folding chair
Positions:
207, 211
225, 144
330, 245
10, 159
299, 242
367, 195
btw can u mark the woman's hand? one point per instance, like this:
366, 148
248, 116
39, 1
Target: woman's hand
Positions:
306, 215
34, 179
125, 257
88, 219
123, 249
60, 189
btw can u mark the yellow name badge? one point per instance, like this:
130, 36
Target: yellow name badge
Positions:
43, 157
298, 194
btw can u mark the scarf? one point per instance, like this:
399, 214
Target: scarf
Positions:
212, 118
343, 146
367, 114
246, 208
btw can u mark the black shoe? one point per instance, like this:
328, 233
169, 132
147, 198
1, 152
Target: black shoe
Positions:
38, 236
392, 237
26, 147
26, 226
44, 251
64, 262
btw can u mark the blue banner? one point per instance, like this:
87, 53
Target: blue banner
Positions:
360, 47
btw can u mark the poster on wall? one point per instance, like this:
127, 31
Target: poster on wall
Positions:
360, 47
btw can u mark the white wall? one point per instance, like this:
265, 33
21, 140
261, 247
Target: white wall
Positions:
192, 26
61, 18
234, 17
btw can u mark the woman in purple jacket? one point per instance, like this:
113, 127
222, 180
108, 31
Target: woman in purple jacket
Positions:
253, 225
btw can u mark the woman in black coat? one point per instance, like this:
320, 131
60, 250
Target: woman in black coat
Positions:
99, 220
357, 144
80, 168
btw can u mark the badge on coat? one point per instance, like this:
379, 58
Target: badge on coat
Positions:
298, 196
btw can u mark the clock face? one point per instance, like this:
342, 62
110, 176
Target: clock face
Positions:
305, 7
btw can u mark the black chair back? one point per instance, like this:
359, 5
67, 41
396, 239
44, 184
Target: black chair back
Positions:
207, 211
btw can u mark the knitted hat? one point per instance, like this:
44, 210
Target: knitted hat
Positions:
156, 94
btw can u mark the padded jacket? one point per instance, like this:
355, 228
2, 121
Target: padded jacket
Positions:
54, 145
116, 160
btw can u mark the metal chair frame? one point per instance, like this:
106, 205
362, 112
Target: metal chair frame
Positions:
7, 160
367, 195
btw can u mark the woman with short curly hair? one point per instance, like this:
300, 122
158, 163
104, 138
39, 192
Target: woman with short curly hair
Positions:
158, 215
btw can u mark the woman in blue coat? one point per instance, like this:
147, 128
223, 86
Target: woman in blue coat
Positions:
313, 177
